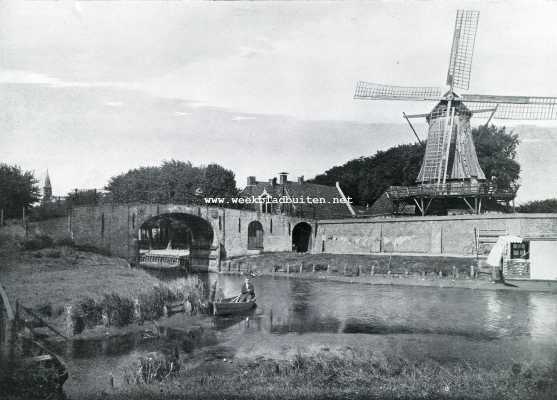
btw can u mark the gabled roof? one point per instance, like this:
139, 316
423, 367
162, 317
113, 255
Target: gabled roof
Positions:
295, 190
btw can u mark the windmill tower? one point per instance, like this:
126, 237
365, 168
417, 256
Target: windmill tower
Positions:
450, 167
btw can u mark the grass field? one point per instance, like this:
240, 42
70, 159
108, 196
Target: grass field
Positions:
349, 376
51, 279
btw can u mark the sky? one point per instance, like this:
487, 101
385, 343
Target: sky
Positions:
90, 89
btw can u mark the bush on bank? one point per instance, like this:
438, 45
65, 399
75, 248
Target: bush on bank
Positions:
117, 310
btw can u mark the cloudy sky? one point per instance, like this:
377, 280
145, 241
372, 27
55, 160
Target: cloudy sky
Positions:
90, 89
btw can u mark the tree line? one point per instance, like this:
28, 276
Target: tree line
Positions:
173, 182
367, 178
364, 179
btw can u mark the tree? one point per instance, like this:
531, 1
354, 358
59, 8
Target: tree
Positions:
18, 190
219, 182
539, 206
366, 178
172, 182
496, 151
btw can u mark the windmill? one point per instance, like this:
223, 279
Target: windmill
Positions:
450, 167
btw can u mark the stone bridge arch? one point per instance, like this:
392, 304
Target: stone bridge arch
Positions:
301, 237
178, 227
175, 231
115, 228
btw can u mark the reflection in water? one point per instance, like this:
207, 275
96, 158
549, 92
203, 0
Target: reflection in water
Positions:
159, 339
448, 320
543, 311
303, 306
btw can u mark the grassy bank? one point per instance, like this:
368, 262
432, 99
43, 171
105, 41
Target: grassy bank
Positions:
95, 289
384, 269
347, 376
352, 264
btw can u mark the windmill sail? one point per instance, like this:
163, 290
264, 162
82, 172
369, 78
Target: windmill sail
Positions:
515, 107
377, 91
464, 38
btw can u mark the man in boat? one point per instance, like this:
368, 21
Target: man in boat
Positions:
248, 291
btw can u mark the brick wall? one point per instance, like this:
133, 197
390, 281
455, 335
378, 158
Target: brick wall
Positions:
516, 269
451, 235
114, 228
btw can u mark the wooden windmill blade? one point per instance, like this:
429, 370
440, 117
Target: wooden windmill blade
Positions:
377, 91
462, 50
514, 107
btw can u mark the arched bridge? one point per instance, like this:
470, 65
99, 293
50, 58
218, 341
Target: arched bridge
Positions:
209, 233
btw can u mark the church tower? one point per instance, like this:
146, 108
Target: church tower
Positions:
47, 189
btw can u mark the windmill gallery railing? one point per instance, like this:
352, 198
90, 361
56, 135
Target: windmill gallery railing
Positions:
453, 189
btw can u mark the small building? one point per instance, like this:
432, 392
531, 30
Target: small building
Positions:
532, 258
299, 198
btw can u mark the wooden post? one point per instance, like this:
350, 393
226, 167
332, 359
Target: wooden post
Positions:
344, 270
301, 267
372, 270
68, 321
17, 313
2, 217
287, 268
454, 271
440, 274
328, 268
472, 272
359, 270
313, 268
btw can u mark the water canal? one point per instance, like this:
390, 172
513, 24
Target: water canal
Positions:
478, 326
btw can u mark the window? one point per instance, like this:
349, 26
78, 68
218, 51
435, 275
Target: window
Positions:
520, 250
271, 226
255, 236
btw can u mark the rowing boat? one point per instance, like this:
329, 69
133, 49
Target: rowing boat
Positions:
231, 306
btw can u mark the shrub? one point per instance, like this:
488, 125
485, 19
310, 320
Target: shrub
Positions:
91, 312
118, 309
153, 367
152, 304
539, 206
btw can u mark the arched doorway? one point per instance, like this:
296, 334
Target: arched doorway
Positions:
176, 236
255, 236
301, 237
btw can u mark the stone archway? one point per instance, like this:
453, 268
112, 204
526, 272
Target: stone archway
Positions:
180, 235
301, 237
255, 236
